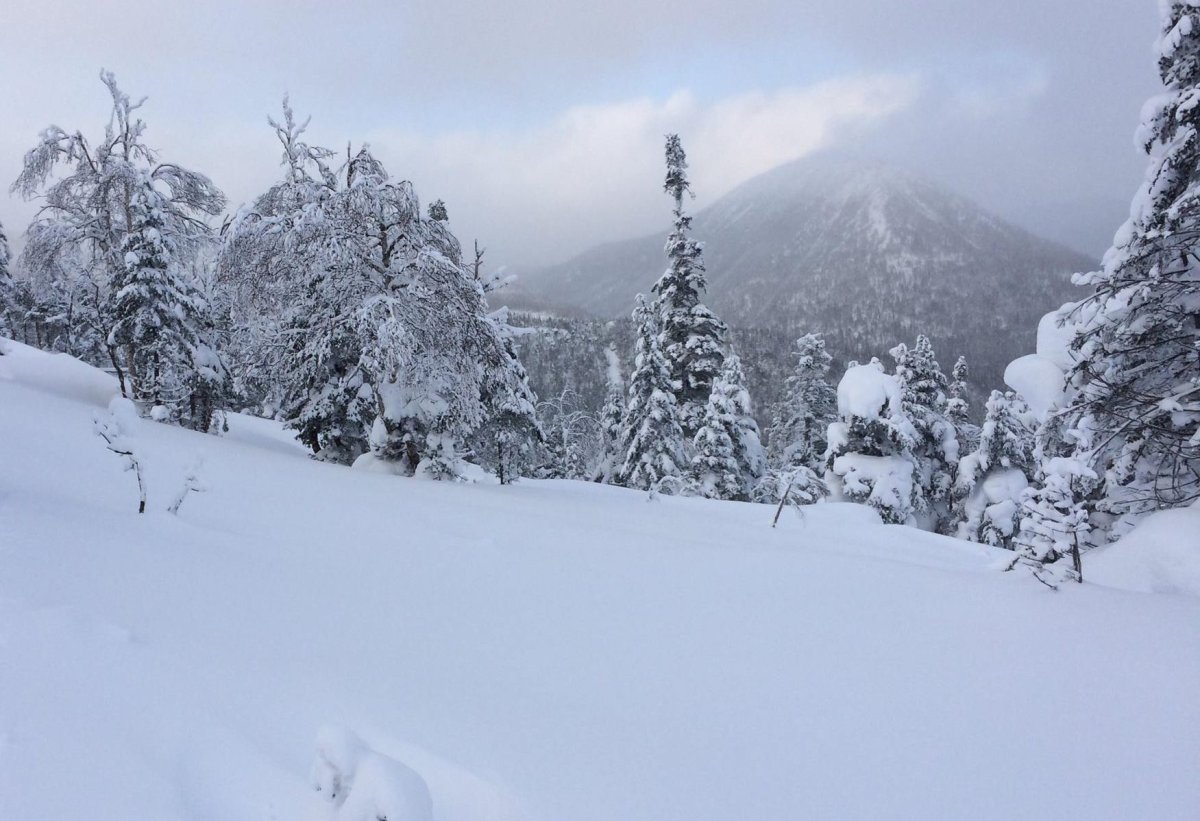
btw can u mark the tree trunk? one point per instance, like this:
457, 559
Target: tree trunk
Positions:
782, 501
112, 356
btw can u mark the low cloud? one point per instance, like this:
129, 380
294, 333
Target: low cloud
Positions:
593, 173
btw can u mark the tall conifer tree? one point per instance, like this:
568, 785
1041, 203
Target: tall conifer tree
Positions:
156, 314
728, 457
653, 440
692, 336
796, 437
8, 297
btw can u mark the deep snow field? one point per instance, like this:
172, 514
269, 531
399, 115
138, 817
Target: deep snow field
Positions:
550, 651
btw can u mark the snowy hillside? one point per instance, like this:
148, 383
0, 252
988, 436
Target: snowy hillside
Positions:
550, 651
856, 250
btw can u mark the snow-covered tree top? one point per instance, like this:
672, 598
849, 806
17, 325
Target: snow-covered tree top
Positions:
866, 392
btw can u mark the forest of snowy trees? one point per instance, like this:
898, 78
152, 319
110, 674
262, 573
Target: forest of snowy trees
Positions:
335, 303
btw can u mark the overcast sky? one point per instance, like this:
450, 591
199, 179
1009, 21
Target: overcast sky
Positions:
540, 123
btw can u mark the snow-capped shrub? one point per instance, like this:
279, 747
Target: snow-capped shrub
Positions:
365, 785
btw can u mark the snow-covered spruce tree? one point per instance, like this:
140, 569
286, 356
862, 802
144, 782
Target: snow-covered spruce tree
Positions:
1054, 526
653, 439
156, 314
75, 244
1136, 379
800, 422
322, 391
508, 441
210, 381
612, 422
870, 457
935, 449
8, 289
992, 478
692, 336
958, 407
729, 458
796, 438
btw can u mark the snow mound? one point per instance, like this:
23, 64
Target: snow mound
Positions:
1039, 380
125, 414
1002, 485
55, 373
370, 463
365, 785
1161, 555
865, 391
1054, 337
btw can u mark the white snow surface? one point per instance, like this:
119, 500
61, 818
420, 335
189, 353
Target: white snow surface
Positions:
1040, 382
1160, 555
1055, 331
546, 651
866, 391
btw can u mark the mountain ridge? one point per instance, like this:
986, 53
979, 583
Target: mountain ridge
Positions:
853, 248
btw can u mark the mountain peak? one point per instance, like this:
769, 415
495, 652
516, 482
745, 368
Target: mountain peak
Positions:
851, 247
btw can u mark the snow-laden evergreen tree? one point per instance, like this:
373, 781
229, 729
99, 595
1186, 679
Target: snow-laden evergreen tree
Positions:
8, 289
612, 422
653, 439
870, 457
75, 245
993, 477
729, 458
958, 407
156, 314
923, 386
692, 336
1054, 521
1136, 379
796, 437
209, 380
508, 441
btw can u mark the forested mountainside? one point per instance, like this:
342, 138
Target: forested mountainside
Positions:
861, 252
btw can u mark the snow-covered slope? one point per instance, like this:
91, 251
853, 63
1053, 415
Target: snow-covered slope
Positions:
857, 250
550, 651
